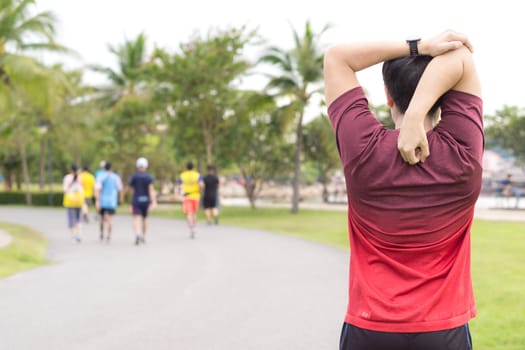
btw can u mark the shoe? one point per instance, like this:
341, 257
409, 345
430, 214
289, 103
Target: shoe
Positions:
78, 239
192, 234
137, 240
86, 219
142, 239
101, 237
216, 220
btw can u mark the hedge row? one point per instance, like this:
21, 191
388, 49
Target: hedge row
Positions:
37, 198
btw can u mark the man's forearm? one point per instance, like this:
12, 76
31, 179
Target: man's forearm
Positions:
358, 56
442, 74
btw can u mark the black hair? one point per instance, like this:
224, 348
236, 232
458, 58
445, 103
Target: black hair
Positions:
74, 169
107, 166
85, 167
211, 167
189, 165
401, 76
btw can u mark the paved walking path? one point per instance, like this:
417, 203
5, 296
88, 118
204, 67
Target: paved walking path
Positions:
228, 289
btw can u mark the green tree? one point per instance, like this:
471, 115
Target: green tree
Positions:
506, 129
256, 145
126, 121
128, 78
198, 85
25, 84
299, 71
321, 149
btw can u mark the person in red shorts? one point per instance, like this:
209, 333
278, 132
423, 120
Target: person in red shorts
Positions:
190, 186
411, 191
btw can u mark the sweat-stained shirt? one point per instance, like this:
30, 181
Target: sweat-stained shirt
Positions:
409, 225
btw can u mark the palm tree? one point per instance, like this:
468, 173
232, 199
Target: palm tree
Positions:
17, 26
299, 71
23, 80
128, 79
125, 102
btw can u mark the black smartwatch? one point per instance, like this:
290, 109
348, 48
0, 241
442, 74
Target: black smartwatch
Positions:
412, 45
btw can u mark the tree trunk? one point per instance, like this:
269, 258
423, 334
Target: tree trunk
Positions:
8, 179
42, 165
25, 172
249, 188
296, 182
325, 191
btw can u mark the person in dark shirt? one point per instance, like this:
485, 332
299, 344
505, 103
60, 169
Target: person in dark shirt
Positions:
143, 200
211, 196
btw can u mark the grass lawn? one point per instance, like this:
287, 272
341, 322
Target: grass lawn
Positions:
498, 268
26, 250
498, 263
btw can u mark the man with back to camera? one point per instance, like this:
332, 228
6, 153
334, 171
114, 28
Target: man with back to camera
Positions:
107, 188
190, 186
210, 202
411, 191
144, 198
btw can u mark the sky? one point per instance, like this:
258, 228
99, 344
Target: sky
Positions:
495, 30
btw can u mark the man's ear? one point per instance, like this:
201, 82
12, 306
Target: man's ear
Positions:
389, 100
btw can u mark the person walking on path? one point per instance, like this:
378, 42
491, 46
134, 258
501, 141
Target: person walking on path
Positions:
73, 201
507, 189
107, 189
143, 199
88, 185
211, 196
190, 186
411, 191
100, 171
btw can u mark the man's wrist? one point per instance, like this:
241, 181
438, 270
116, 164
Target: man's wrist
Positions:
413, 45
423, 48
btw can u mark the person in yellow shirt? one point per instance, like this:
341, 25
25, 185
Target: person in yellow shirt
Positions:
190, 185
88, 185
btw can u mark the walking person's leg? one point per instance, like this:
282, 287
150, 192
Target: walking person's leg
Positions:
109, 219
215, 212
71, 223
102, 217
144, 228
85, 210
77, 225
136, 228
208, 214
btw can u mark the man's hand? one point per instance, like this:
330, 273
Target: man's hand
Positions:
412, 141
447, 41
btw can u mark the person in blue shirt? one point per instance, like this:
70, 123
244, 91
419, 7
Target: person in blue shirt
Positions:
144, 198
107, 188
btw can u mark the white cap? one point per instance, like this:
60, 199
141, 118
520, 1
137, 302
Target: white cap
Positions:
142, 163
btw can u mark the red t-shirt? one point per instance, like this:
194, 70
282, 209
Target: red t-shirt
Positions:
409, 226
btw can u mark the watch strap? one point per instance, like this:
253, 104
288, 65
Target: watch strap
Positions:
413, 46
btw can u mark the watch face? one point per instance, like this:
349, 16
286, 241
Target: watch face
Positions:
413, 38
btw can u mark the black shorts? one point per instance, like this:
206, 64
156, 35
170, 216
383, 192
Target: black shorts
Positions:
355, 338
104, 211
209, 202
140, 209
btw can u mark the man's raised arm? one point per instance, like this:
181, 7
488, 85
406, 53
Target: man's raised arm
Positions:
342, 61
454, 70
